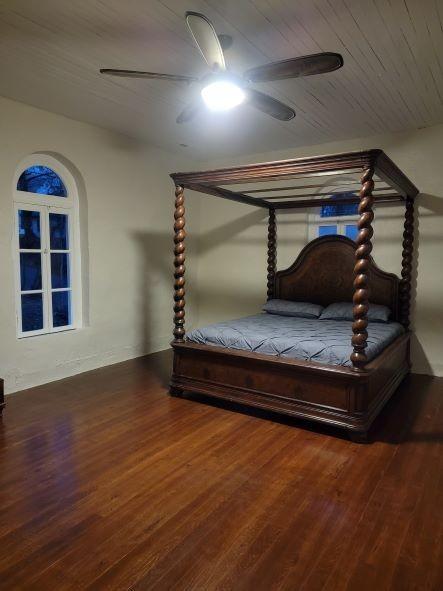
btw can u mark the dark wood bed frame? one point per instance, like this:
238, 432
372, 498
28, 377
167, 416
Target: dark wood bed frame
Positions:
329, 269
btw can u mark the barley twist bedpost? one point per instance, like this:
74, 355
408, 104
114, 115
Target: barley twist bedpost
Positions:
361, 268
272, 252
406, 263
179, 264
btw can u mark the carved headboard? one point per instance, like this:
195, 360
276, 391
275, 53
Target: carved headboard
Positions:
323, 273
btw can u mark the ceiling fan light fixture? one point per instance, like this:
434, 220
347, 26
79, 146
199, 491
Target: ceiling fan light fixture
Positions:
223, 90
222, 95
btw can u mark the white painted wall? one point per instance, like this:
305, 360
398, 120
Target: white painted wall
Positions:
232, 259
127, 214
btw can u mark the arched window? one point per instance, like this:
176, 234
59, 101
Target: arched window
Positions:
339, 209
335, 218
41, 180
47, 247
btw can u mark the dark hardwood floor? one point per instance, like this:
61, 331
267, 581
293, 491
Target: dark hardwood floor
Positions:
108, 483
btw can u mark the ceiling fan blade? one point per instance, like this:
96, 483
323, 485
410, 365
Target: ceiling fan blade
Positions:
190, 112
269, 105
150, 75
307, 65
206, 39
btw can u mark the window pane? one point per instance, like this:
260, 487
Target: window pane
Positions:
351, 231
339, 209
351, 209
58, 229
30, 271
32, 312
60, 270
329, 211
42, 180
29, 229
61, 308
326, 230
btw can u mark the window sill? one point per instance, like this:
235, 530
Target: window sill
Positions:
21, 336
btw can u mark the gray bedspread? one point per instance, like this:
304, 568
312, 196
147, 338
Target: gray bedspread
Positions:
324, 341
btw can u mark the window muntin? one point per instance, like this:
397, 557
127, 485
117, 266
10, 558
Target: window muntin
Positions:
41, 180
47, 261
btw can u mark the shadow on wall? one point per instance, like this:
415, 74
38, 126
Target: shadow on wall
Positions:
434, 205
417, 353
226, 232
123, 143
155, 250
223, 294
156, 277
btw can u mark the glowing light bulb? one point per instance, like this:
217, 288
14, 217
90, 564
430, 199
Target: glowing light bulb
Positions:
222, 95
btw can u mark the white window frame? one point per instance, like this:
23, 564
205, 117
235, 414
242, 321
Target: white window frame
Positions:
315, 220
46, 204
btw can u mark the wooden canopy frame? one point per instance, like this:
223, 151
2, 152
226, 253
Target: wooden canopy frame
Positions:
371, 163
372, 175
212, 182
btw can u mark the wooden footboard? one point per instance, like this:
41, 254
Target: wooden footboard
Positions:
330, 394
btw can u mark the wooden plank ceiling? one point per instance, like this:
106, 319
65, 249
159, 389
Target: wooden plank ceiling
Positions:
51, 50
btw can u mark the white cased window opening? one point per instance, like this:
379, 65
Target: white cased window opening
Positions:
334, 219
46, 247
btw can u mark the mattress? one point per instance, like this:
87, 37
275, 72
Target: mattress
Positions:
323, 341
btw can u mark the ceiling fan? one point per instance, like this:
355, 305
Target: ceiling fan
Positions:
221, 89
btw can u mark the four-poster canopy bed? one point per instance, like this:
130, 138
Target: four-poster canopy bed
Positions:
329, 270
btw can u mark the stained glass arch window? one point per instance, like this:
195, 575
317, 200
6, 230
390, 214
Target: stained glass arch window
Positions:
41, 180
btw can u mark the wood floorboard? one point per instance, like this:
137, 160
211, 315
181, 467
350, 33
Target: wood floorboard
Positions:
107, 483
